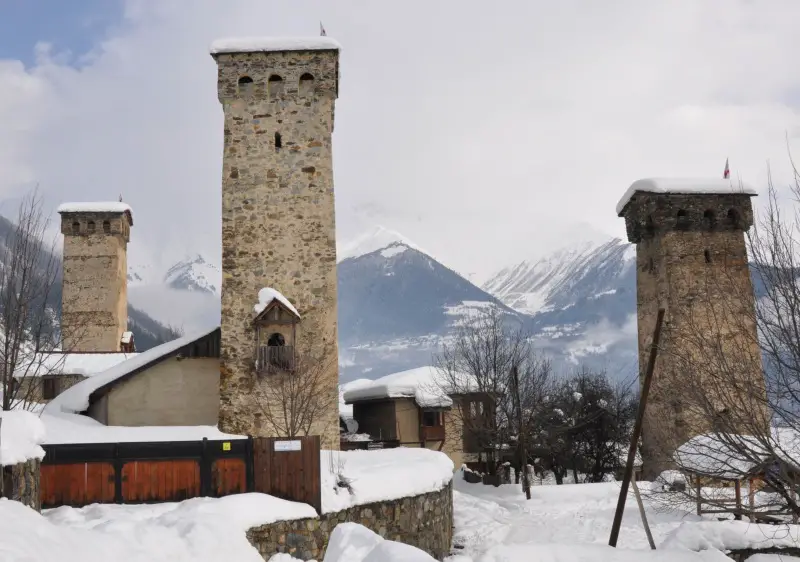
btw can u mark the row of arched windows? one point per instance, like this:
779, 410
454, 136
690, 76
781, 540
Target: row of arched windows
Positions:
91, 227
275, 84
682, 220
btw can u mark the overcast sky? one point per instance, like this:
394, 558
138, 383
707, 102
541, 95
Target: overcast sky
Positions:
486, 132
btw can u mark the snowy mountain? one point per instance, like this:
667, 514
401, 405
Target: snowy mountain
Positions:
194, 274
397, 304
582, 301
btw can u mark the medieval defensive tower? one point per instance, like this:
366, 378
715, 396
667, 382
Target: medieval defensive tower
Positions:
94, 305
278, 226
691, 260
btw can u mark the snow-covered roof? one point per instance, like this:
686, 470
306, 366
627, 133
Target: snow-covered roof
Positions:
683, 185
85, 364
731, 456
267, 295
21, 434
76, 398
265, 44
426, 385
95, 207
67, 428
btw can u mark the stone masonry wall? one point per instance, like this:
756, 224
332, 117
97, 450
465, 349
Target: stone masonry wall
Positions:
21, 483
692, 261
95, 283
424, 521
31, 388
278, 224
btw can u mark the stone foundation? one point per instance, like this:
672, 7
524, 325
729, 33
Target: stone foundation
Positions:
21, 483
424, 521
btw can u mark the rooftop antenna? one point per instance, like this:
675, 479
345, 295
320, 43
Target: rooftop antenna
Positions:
322, 31
120, 197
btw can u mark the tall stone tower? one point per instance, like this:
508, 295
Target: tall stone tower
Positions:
94, 305
278, 223
691, 260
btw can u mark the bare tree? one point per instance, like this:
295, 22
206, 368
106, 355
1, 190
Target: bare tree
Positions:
494, 408
29, 276
298, 401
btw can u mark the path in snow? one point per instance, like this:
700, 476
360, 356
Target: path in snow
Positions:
489, 520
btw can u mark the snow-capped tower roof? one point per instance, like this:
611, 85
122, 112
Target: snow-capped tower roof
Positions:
98, 207
683, 185
273, 44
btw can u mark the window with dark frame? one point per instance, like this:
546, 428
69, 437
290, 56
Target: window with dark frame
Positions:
431, 419
48, 388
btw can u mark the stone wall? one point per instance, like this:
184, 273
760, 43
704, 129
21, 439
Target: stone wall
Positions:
95, 283
21, 483
424, 521
278, 222
32, 388
692, 261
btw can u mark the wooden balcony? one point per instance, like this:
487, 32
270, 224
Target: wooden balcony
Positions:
275, 359
432, 433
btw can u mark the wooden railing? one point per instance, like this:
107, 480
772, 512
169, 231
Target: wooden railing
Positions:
273, 359
432, 433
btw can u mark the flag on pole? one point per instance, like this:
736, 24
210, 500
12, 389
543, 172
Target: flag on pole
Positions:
727, 173
322, 30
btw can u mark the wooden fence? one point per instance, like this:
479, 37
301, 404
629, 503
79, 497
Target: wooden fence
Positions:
150, 472
289, 469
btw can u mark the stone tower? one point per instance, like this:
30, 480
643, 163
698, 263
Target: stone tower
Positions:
94, 303
278, 223
691, 260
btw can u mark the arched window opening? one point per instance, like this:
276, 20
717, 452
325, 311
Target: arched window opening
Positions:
245, 85
682, 221
107, 227
275, 85
90, 227
707, 255
76, 227
278, 143
708, 219
276, 340
733, 217
306, 84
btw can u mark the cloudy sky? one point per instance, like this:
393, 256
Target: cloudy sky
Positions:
486, 132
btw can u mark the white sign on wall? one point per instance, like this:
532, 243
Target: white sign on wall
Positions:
287, 445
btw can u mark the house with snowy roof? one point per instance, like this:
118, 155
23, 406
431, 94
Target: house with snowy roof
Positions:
415, 408
178, 383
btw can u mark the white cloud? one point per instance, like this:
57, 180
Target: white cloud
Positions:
470, 127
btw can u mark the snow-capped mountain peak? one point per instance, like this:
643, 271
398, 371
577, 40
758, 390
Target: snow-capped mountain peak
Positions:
194, 273
378, 238
564, 276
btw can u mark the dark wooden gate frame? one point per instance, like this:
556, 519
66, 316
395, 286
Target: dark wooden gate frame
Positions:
205, 452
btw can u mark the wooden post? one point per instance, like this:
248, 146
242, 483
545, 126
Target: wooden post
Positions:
699, 498
526, 484
637, 429
738, 486
641, 512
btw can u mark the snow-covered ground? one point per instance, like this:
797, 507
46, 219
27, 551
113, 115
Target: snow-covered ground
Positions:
572, 523
568, 523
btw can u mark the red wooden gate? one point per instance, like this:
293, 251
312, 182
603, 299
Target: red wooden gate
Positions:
288, 468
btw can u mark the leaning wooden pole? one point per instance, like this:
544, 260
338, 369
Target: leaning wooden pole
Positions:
637, 430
